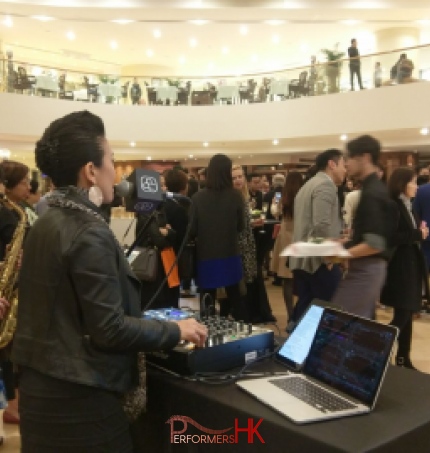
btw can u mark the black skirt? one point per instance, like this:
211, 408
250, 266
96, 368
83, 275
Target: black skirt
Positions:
63, 417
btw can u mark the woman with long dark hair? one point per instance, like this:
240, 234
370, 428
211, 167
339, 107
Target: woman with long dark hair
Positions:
407, 270
285, 210
218, 218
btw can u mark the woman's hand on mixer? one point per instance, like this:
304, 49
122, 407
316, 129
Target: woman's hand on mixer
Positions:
193, 331
4, 305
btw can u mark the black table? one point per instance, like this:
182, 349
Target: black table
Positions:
400, 422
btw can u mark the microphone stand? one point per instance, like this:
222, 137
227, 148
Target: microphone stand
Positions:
143, 230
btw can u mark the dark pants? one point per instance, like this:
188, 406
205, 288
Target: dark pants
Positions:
402, 319
320, 285
235, 304
355, 70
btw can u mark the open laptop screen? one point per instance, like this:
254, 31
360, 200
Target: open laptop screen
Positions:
297, 345
350, 354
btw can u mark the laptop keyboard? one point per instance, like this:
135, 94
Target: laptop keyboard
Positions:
311, 394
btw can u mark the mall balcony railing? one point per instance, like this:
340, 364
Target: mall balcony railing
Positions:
316, 79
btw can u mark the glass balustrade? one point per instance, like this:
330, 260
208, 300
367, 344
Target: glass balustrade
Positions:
319, 78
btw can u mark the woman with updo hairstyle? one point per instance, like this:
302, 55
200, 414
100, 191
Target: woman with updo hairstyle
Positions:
79, 321
17, 189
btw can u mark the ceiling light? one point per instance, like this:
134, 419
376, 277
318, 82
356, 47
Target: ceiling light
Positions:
198, 22
123, 21
274, 22
150, 53
254, 57
193, 42
8, 22
5, 153
149, 158
304, 47
240, 157
132, 144
211, 65
280, 165
351, 22
423, 22
292, 4
156, 33
43, 18
225, 50
275, 141
275, 39
182, 60
344, 137
243, 30
205, 144
114, 45
191, 156
71, 35
424, 131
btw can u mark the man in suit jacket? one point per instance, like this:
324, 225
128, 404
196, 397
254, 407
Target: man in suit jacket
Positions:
316, 214
422, 209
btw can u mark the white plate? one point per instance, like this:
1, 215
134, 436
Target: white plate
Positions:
305, 249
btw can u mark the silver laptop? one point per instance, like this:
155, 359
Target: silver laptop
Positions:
342, 374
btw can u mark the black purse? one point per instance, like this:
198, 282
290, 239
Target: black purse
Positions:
145, 265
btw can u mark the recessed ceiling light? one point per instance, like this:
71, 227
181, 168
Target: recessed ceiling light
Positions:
5, 153
293, 4
8, 22
149, 158
351, 22
193, 42
191, 156
344, 137
240, 157
274, 22
132, 144
114, 45
43, 18
150, 53
205, 144
198, 21
424, 131
275, 39
71, 35
254, 57
182, 60
156, 33
243, 30
123, 21
275, 141
225, 50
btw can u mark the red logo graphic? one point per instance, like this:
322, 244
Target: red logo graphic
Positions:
211, 436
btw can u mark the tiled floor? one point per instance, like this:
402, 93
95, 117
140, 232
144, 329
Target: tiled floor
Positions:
420, 349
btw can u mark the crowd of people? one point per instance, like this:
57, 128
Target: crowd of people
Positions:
77, 350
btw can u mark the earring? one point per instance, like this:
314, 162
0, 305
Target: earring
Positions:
95, 195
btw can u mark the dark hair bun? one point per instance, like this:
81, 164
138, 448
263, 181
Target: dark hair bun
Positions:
47, 158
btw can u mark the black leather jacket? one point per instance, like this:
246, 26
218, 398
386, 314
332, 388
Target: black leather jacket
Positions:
79, 304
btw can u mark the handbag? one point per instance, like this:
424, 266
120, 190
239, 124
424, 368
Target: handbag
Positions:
145, 265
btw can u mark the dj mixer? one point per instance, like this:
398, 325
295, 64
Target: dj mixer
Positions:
229, 344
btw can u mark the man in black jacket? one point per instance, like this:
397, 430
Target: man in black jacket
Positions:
354, 64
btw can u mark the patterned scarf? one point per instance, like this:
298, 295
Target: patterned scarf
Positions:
60, 198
